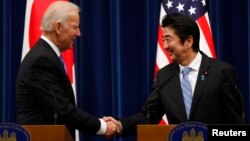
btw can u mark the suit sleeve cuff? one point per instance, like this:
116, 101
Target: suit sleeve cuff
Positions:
103, 127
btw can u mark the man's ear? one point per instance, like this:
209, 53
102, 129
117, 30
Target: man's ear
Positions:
189, 41
58, 27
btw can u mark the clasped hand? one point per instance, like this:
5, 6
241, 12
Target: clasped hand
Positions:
113, 127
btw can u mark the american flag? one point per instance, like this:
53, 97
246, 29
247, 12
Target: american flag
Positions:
195, 9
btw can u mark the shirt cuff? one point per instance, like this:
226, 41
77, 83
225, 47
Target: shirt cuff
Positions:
120, 127
103, 127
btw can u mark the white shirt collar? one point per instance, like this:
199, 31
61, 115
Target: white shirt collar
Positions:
195, 64
52, 45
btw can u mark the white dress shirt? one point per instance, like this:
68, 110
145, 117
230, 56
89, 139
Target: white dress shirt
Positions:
193, 74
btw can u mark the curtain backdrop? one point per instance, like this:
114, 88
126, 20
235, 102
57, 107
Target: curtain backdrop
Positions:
115, 56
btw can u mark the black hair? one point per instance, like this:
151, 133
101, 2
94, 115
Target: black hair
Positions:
184, 26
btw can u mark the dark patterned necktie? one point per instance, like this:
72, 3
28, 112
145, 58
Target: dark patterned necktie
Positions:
62, 61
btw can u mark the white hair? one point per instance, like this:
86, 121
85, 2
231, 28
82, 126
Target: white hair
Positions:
58, 11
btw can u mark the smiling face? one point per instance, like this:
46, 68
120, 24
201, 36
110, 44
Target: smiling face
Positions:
68, 31
178, 51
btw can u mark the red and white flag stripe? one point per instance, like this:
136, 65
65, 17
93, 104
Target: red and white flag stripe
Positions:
206, 45
33, 16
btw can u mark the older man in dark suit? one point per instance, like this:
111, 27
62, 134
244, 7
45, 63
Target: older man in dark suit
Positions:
43, 91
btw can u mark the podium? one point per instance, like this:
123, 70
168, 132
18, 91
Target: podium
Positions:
154, 132
48, 133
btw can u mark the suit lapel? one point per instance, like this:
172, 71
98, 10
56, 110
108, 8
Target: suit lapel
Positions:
66, 82
54, 55
201, 81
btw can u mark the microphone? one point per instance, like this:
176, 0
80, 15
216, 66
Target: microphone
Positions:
55, 104
44, 77
157, 88
229, 76
165, 81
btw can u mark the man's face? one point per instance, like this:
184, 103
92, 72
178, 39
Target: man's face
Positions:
177, 51
69, 31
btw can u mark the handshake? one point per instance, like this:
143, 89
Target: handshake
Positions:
114, 127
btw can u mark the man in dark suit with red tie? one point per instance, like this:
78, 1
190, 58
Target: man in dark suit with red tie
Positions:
210, 93
44, 93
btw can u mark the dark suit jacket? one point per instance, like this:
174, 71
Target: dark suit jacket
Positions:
43, 89
215, 98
